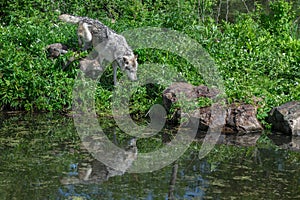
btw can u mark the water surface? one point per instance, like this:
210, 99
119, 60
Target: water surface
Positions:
42, 158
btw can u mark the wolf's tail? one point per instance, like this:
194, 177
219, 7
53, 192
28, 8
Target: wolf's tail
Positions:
70, 18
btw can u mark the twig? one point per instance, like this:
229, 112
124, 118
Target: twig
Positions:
219, 11
173, 181
246, 6
71, 60
203, 10
227, 10
199, 10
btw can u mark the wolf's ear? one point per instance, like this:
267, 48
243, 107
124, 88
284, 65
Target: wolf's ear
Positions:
126, 59
135, 57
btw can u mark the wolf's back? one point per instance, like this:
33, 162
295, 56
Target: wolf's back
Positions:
70, 18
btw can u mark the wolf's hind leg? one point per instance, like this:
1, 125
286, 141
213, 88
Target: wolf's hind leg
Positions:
85, 36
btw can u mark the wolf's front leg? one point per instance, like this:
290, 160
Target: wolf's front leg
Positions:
115, 67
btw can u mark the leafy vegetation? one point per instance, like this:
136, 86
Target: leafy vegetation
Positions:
257, 54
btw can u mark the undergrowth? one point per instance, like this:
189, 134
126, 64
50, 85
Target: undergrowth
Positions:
257, 55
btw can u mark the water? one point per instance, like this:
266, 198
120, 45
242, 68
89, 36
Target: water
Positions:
42, 158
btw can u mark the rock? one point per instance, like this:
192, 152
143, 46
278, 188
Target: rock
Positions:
295, 143
240, 118
169, 96
240, 140
189, 91
56, 49
286, 141
204, 118
286, 118
89, 65
91, 68
204, 91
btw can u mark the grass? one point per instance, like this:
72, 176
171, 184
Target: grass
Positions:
257, 55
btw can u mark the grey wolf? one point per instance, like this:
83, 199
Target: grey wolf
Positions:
107, 43
91, 170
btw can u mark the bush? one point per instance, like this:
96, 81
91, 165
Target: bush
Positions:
258, 55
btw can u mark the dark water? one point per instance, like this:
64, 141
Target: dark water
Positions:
42, 158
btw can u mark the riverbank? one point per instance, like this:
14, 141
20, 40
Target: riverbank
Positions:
257, 55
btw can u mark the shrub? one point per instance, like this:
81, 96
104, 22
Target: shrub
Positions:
258, 55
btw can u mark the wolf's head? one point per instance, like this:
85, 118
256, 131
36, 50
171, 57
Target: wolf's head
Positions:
130, 66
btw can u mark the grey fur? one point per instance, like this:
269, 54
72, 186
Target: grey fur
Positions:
109, 45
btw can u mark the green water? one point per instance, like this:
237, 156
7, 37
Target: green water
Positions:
42, 158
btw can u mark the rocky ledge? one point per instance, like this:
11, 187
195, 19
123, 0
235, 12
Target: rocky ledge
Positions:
240, 118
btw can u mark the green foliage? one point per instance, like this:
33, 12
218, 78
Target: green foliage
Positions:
256, 61
29, 80
257, 56
279, 18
